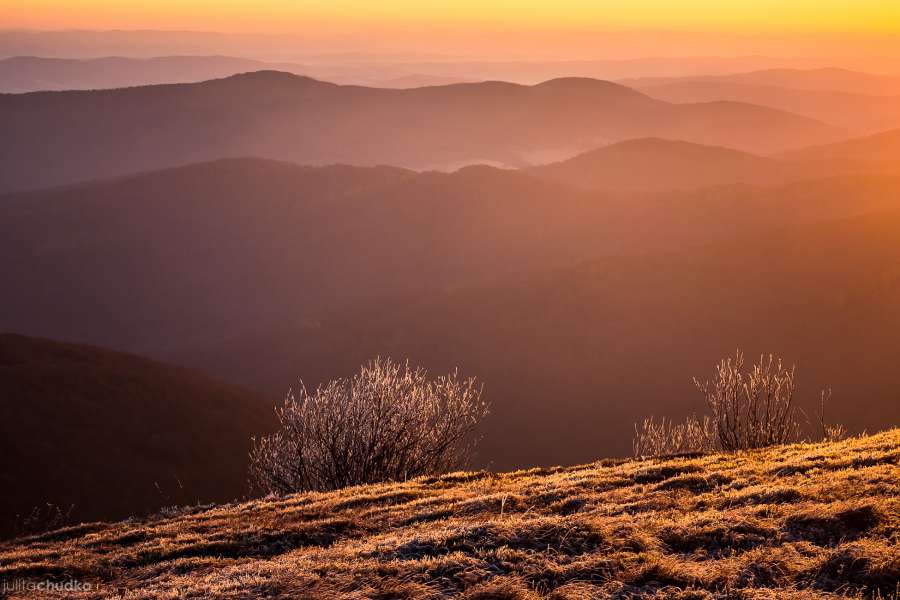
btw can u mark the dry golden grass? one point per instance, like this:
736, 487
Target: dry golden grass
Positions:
797, 522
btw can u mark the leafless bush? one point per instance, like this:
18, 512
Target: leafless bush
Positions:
752, 410
386, 423
830, 432
667, 438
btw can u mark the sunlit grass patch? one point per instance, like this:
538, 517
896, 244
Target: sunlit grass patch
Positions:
799, 522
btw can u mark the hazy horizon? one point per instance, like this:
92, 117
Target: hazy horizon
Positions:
721, 51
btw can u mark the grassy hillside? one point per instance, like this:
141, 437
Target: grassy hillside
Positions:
111, 434
808, 521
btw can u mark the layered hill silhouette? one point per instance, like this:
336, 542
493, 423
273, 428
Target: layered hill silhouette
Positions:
827, 78
862, 113
272, 272
882, 149
820, 79
617, 339
21, 74
252, 244
178, 257
51, 138
855, 101
660, 165
105, 435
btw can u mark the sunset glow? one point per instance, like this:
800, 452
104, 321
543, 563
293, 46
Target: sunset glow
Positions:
308, 16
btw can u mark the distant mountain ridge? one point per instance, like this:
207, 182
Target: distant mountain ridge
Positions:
855, 112
51, 138
858, 102
654, 164
819, 79
22, 74
826, 78
660, 165
881, 148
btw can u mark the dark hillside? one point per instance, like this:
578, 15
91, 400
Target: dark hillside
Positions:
98, 431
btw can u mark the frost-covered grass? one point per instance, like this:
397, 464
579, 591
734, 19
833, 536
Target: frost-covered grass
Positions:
804, 521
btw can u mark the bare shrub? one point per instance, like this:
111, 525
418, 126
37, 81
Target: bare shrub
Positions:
668, 438
830, 432
755, 409
388, 422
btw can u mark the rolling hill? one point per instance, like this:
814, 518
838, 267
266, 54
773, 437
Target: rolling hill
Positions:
105, 435
567, 354
163, 262
827, 78
22, 74
801, 522
668, 165
261, 273
818, 79
661, 166
50, 138
879, 149
857, 112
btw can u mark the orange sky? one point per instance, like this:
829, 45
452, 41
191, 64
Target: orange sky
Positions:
563, 27
300, 16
